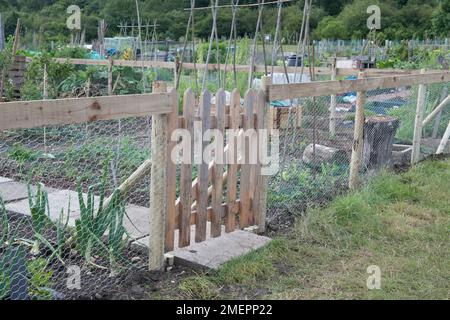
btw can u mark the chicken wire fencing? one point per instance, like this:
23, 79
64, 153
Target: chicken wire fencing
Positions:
315, 159
66, 234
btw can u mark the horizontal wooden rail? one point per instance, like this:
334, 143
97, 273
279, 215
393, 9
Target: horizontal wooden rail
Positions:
118, 63
32, 114
327, 88
239, 68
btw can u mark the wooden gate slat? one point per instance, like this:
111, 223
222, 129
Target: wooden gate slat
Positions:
217, 185
246, 171
202, 208
235, 115
186, 173
261, 123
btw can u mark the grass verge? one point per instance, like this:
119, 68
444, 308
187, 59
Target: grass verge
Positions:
399, 223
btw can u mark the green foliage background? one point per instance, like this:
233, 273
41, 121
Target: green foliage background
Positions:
337, 19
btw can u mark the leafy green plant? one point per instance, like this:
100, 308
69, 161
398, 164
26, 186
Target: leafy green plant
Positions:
94, 223
117, 235
39, 279
61, 230
9, 258
40, 214
298, 185
5, 223
6, 61
23, 154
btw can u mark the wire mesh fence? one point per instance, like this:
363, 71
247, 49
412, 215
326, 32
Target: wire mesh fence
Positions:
66, 233
62, 220
316, 144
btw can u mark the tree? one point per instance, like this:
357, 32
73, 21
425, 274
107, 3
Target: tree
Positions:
441, 19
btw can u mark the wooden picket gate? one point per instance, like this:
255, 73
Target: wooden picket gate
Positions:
228, 196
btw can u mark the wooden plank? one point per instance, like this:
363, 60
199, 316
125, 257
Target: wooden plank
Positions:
158, 192
194, 213
186, 174
246, 192
218, 171
86, 62
235, 111
118, 63
144, 64
420, 114
214, 121
358, 141
31, 114
263, 180
240, 68
130, 182
327, 88
171, 169
202, 192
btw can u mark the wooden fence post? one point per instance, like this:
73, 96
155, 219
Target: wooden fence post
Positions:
358, 142
263, 183
333, 103
161, 87
158, 188
421, 101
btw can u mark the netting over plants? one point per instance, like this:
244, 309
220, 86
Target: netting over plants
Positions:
315, 159
62, 221
67, 233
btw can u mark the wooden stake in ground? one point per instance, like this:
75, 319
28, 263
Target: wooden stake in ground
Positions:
16, 38
358, 141
45, 97
333, 103
158, 191
421, 101
110, 76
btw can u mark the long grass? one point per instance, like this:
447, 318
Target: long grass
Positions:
399, 223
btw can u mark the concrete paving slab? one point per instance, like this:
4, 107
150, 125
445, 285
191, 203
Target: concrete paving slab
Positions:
58, 200
213, 253
140, 218
14, 191
3, 180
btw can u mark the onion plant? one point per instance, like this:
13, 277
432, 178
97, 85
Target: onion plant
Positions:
40, 214
95, 222
5, 223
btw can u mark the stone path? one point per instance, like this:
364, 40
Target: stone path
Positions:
210, 254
